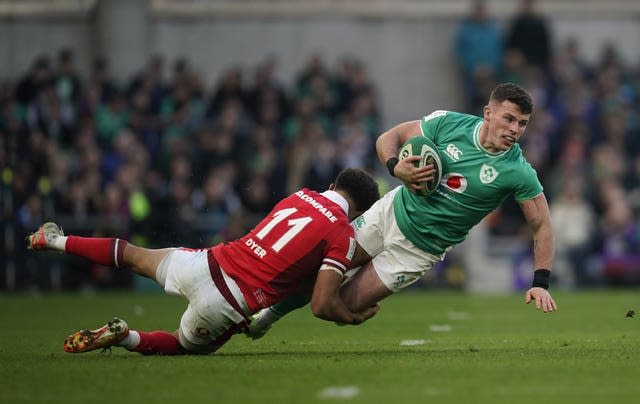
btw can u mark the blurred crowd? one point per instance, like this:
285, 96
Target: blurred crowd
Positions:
583, 139
169, 162
164, 160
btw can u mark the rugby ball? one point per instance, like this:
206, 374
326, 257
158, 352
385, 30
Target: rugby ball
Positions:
428, 152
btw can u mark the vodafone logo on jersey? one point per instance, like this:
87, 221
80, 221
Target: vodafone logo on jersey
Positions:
455, 182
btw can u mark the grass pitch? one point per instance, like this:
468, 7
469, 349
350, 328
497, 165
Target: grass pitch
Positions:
431, 347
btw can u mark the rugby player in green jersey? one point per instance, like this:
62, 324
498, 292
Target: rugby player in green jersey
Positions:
403, 235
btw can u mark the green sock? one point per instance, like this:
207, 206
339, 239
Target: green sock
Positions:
289, 304
262, 320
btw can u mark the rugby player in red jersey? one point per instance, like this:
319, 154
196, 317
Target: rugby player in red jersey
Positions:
307, 235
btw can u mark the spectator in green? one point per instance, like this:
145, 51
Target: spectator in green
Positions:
111, 118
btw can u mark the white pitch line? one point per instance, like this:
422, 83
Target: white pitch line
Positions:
458, 315
440, 327
412, 342
340, 392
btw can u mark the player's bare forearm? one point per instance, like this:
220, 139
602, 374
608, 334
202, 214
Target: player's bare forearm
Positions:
543, 248
334, 309
388, 144
387, 147
536, 212
349, 317
327, 304
370, 311
339, 313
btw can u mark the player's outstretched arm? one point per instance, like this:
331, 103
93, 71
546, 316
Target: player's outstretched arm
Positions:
387, 147
388, 144
327, 304
536, 212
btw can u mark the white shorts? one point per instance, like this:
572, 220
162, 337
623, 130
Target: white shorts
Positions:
396, 260
210, 319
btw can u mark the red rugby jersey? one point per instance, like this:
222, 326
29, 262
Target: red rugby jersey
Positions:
302, 232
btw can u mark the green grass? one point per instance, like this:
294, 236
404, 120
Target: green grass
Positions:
498, 350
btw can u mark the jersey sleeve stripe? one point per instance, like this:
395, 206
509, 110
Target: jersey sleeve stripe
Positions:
528, 199
331, 268
334, 263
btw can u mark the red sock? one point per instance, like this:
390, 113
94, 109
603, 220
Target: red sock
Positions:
103, 251
158, 343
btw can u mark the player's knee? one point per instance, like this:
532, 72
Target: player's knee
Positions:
144, 261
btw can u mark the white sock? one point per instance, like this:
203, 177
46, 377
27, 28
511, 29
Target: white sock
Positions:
130, 341
266, 317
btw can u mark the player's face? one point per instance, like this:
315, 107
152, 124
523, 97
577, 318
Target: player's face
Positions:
506, 124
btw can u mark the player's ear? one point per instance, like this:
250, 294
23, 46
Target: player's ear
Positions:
486, 112
332, 187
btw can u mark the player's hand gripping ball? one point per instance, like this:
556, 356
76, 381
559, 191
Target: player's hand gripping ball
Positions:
428, 152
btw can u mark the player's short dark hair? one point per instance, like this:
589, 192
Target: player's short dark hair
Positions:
360, 186
513, 93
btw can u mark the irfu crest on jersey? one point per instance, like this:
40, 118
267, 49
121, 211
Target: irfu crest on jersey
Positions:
488, 174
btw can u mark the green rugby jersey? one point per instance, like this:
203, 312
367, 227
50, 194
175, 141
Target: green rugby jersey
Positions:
474, 183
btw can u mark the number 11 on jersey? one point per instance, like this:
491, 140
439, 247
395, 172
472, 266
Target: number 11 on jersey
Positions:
296, 227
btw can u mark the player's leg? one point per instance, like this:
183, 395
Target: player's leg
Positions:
116, 333
364, 289
369, 234
398, 266
144, 261
395, 264
208, 322
217, 309
104, 251
262, 321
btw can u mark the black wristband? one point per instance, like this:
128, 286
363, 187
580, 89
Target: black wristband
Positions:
391, 164
541, 278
